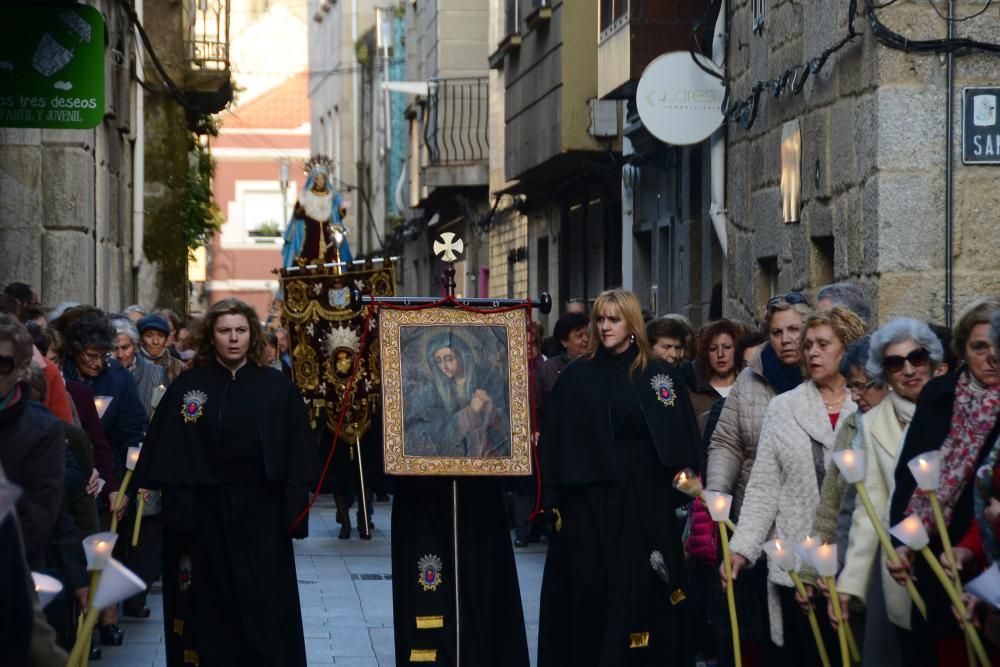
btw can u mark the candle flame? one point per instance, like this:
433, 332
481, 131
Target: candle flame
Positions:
923, 463
849, 457
777, 545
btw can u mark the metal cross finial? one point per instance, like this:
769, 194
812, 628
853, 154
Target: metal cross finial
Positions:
448, 246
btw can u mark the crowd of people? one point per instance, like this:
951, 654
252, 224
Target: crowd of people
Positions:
78, 388
625, 402
770, 404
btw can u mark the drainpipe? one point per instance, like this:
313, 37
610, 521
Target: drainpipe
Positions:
138, 164
717, 210
949, 183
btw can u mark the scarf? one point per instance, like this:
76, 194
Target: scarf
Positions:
780, 376
981, 498
974, 414
904, 409
10, 399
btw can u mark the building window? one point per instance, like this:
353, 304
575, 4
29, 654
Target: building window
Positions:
258, 214
612, 11
513, 17
759, 12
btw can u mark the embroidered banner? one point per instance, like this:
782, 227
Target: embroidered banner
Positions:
324, 339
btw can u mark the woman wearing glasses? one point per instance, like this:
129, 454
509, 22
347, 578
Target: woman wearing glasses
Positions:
904, 356
956, 414
796, 441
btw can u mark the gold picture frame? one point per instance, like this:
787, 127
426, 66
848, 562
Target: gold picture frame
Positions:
455, 392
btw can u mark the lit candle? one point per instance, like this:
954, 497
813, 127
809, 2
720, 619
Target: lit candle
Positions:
805, 549
157, 395
824, 559
132, 458
46, 587
851, 463
102, 403
780, 554
719, 505
926, 469
911, 532
97, 548
687, 482
117, 584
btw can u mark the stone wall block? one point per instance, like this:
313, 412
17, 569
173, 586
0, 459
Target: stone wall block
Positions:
784, 23
910, 128
848, 234
917, 295
768, 236
843, 161
83, 139
815, 129
20, 185
796, 273
15, 136
737, 192
22, 257
817, 218
866, 134
977, 200
68, 184
911, 222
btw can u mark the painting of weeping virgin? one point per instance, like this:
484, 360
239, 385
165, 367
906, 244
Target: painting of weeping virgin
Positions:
456, 402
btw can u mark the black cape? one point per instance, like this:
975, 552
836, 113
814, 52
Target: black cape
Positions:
611, 445
423, 575
234, 457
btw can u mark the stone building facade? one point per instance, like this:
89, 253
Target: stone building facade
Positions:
66, 196
873, 161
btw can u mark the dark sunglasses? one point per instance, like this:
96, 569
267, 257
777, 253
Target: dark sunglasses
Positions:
918, 359
6, 364
790, 298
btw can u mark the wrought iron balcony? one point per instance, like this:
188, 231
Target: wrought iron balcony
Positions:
455, 130
206, 34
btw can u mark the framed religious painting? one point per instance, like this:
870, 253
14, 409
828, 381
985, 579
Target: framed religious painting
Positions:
455, 392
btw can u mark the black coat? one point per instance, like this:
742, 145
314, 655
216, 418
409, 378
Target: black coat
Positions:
578, 442
180, 451
33, 454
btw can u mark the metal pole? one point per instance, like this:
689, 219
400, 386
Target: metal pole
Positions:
454, 538
949, 220
363, 503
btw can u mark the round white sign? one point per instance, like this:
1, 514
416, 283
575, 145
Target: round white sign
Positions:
679, 103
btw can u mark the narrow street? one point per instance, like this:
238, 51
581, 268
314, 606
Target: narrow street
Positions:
346, 592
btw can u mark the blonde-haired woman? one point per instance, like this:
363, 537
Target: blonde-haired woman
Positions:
796, 441
619, 425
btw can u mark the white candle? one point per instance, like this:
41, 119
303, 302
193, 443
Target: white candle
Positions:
46, 587
780, 554
851, 463
805, 549
132, 458
102, 403
824, 559
926, 469
117, 584
719, 504
157, 395
97, 548
911, 532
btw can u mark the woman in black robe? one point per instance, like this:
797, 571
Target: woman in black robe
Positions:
618, 426
231, 449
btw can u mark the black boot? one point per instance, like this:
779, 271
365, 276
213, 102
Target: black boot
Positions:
343, 517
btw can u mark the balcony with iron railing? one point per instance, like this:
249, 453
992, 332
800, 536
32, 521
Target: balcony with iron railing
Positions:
456, 142
206, 52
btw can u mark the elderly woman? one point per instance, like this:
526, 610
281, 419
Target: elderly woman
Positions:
796, 442
956, 414
148, 376
904, 355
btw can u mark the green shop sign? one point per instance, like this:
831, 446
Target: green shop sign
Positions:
51, 66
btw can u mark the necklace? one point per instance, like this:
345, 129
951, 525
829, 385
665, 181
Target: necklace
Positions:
833, 404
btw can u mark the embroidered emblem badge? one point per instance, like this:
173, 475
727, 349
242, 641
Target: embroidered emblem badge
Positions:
663, 385
430, 567
184, 573
193, 405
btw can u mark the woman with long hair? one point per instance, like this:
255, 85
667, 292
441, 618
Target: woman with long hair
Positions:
618, 427
231, 450
795, 446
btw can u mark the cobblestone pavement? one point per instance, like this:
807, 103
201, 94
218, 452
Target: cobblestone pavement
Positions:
346, 592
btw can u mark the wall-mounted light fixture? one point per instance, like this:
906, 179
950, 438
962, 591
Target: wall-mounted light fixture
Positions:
791, 171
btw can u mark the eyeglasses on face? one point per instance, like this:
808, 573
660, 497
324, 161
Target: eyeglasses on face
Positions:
861, 387
918, 358
93, 357
792, 298
6, 364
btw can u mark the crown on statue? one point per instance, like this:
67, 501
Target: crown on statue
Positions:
319, 164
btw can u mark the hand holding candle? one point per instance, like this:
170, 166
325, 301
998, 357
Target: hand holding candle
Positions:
851, 464
824, 558
131, 458
719, 505
784, 558
688, 483
911, 532
118, 584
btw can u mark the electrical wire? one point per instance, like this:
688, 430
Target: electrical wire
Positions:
893, 40
694, 44
945, 17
